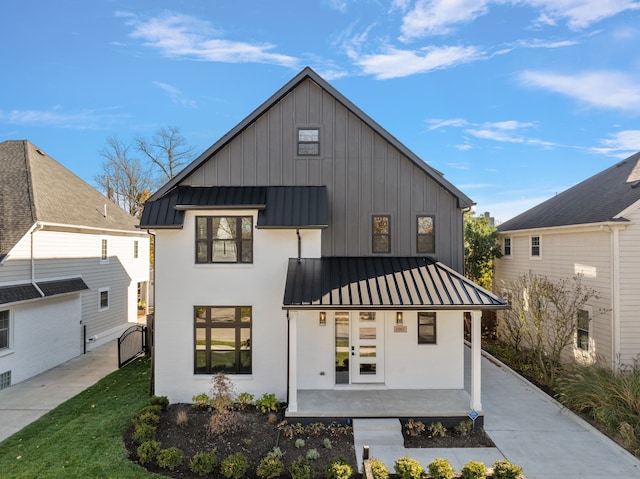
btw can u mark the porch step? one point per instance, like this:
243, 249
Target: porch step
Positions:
377, 432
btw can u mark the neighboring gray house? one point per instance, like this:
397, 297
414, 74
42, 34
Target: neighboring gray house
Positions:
70, 262
308, 252
592, 229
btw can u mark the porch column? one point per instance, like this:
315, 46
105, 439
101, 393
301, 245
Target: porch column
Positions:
476, 318
293, 364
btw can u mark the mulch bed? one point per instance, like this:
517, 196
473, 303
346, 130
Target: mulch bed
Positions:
255, 435
475, 438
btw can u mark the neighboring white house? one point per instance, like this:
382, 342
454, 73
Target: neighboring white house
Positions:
72, 264
307, 250
592, 229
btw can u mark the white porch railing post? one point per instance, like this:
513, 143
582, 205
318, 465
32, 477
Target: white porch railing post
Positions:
476, 337
293, 361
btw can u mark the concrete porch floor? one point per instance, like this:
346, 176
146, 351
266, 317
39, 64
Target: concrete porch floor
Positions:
379, 403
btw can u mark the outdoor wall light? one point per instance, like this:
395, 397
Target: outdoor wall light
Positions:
323, 318
399, 318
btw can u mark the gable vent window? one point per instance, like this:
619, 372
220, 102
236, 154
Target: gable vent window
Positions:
309, 142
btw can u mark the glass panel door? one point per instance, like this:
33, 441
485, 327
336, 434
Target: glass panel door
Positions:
367, 348
342, 347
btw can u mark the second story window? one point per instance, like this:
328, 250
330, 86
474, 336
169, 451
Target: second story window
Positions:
506, 250
535, 246
426, 235
381, 234
224, 239
104, 252
135, 249
308, 142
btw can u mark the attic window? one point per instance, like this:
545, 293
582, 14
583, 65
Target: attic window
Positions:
308, 141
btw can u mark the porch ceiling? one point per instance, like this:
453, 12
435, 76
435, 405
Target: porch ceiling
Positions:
382, 283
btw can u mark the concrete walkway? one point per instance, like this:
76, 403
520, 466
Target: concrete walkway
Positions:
528, 428
25, 402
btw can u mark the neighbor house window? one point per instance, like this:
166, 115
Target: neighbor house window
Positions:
103, 299
222, 339
104, 252
582, 333
426, 236
308, 142
506, 247
381, 237
4, 329
427, 327
135, 249
224, 239
535, 246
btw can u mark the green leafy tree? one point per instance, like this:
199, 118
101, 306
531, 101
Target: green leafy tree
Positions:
480, 249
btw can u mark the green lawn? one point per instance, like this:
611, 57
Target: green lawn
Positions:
82, 437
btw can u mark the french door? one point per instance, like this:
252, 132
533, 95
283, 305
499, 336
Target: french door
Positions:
359, 354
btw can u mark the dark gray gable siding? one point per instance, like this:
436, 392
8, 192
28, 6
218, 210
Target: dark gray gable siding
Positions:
365, 170
600, 198
399, 282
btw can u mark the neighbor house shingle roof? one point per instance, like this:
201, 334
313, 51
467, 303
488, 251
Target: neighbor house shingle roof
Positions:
36, 188
27, 291
381, 282
279, 206
601, 198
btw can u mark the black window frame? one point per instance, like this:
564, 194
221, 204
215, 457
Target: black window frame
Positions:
376, 235
5, 329
244, 246
242, 350
303, 142
431, 338
103, 301
431, 235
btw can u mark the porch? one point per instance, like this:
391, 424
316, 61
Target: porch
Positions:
379, 403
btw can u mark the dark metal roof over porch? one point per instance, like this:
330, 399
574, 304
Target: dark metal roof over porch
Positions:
27, 291
382, 283
278, 206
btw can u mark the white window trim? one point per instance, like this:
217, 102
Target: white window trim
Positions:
9, 348
100, 291
589, 311
504, 254
106, 260
531, 256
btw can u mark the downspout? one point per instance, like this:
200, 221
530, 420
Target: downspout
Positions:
299, 244
33, 259
615, 297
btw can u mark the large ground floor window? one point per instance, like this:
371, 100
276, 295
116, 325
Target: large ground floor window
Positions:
222, 339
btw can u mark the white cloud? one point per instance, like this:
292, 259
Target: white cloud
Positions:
580, 14
604, 89
437, 124
429, 17
83, 120
175, 94
183, 36
394, 63
621, 144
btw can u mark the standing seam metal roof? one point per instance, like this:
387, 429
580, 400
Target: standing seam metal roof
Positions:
382, 282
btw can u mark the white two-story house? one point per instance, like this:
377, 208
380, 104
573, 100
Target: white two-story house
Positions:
72, 264
309, 252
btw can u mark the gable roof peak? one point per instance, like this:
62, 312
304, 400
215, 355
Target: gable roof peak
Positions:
463, 200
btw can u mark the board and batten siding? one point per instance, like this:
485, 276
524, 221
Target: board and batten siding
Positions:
630, 289
564, 254
363, 172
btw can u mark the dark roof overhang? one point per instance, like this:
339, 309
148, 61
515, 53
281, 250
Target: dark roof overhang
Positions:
418, 283
28, 291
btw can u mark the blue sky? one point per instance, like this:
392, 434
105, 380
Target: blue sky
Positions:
513, 100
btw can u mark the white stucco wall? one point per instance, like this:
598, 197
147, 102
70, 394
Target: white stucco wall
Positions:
182, 284
407, 364
44, 333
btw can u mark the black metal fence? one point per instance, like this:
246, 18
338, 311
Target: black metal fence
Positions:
132, 344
